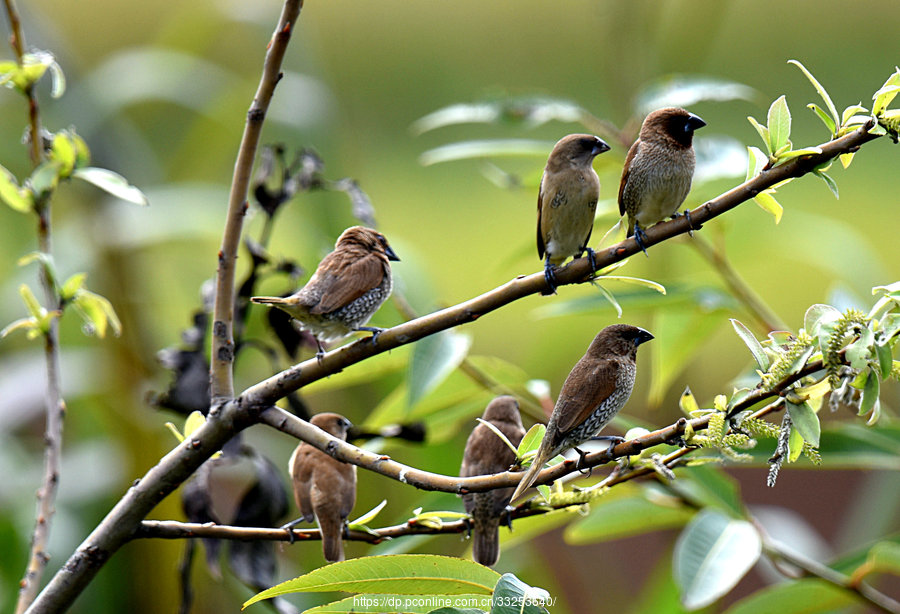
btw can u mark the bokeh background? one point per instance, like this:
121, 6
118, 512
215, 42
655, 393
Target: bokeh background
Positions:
160, 91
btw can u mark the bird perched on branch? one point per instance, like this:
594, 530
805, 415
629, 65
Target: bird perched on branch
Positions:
658, 169
348, 287
596, 389
567, 202
324, 487
486, 454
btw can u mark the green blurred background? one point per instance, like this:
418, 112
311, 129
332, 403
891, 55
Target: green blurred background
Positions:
160, 91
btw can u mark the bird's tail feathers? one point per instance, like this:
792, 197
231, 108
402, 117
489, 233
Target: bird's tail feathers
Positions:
486, 541
542, 456
267, 300
332, 538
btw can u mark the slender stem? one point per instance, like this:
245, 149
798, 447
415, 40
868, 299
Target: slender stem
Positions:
765, 318
54, 405
222, 353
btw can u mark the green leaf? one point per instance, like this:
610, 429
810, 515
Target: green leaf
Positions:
62, 151
807, 596
44, 179
72, 286
709, 487
796, 153
886, 93
512, 596
485, 149
821, 90
19, 199
405, 574
832, 185
687, 90
111, 182
885, 359
637, 281
806, 422
846, 159
30, 325
756, 161
711, 555
755, 347
624, 514
870, 393
97, 312
768, 203
609, 298
368, 516
826, 119
884, 557
31, 302
531, 441
850, 111
779, 124
763, 134
795, 445
433, 359
859, 352
687, 403
817, 315
498, 433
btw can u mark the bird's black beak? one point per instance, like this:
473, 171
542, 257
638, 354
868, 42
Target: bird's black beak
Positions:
642, 336
390, 253
599, 147
693, 123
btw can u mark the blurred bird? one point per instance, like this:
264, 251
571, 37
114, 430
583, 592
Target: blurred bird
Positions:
348, 287
658, 169
567, 202
596, 389
487, 454
324, 487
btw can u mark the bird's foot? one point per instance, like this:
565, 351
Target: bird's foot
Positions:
691, 228
590, 255
467, 523
371, 329
320, 351
613, 440
289, 528
550, 278
639, 238
579, 466
506, 517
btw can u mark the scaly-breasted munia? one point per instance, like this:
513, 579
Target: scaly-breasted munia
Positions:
324, 487
567, 202
658, 169
487, 454
595, 390
348, 287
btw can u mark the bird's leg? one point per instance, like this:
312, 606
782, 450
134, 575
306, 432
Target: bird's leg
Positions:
691, 228
371, 329
579, 466
506, 516
639, 238
289, 526
320, 351
549, 277
467, 523
590, 255
613, 440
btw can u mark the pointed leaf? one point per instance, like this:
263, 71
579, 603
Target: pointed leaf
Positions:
26, 324
817, 315
610, 299
886, 93
687, 403
821, 90
779, 120
98, 313
31, 302
512, 596
72, 285
756, 161
637, 281
755, 347
832, 185
711, 555
846, 159
870, 393
796, 153
113, 183
825, 117
405, 574
370, 515
763, 133
806, 422
884, 557
15, 197
768, 203
531, 441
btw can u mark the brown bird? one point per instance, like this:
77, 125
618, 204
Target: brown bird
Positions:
324, 487
487, 454
567, 201
658, 170
348, 287
596, 389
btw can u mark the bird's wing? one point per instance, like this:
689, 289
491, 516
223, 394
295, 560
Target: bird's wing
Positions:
588, 385
300, 467
628, 159
540, 235
350, 282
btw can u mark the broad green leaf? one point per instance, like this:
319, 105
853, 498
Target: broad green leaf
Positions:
870, 394
709, 487
512, 596
831, 183
15, 197
818, 314
755, 347
859, 352
531, 441
795, 445
885, 360
485, 149
779, 124
711, 555
433, 359
884, 557
821, 90
763, 134
498, 433
405, 574
806, 422
851, 111
756, 160
111, 182
618, 515
886, 93
405, 604
825, 117
807, 596
97, 312
768, 203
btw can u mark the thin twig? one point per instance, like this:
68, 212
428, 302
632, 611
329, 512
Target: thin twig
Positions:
54, 405
222, 353
765, 318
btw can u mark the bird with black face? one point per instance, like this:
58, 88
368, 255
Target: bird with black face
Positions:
567, 202
348, 287
596, 389
486, 454
658, 170
324, 487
